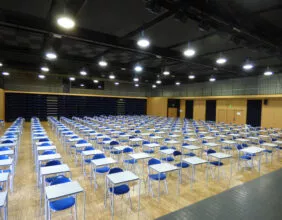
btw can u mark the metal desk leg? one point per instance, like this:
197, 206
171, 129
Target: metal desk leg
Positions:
159, 186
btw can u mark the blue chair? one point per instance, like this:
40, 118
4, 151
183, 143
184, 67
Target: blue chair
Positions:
4, 148
128, 162
65, 203
180, 164
99, 170
117, 190
189, 154
147, 149
243, 157
48, 180
155, 177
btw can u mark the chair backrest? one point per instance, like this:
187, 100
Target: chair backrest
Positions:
153, 161
137, 132
47, 152
163, 148
98, 156
151, 135
7, 142
167, 139
115, 170
114, 143
53, 163
74, 136
59, 180
146, 142
127, 150
261, 141
4, 157
4, 148
106, 139
185, 144
239, 147
88, 148
81, 142
211, 151
177, 153
43, 139
204, 142
44, 144
244, 145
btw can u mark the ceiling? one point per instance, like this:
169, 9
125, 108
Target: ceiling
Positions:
109, 29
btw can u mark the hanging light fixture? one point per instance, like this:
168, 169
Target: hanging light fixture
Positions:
189, 52
83, 73
50, 55
143, 42
268, 72
166, 73
136, 85
135, 79
154, 86
44, 69
96, 81
5, 73
103, 63
221, 60
1, 64
248, 65
40, 76
72, 79
158, 81
191, 76
138, 68
112, 76
66, 22
116, 83
212, 79
177, 83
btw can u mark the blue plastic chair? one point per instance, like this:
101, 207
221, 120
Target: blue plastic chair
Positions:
99, 170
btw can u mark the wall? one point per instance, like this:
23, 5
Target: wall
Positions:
182, 108
157, 106
231, 111
243, 86
2, 104
272, 114
199, 109
30, 83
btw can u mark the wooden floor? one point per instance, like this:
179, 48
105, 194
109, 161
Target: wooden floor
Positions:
24, 201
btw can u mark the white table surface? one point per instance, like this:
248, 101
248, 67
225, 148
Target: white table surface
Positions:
3, 197
269, 145
167, 151
6, 162
103, 161
140, 156
152, 145
191, 139
220, 155
211, 144
43, 148
54, 169
252, 150
242, 140
191, 147
39, 143
136, 139
7, 152
49, 157
277, 142
83, 145
61, 190
172, 142
122, 147
194, 160
163, 167
229, 142
4, 177
122, 177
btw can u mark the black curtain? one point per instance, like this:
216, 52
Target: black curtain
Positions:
174, 103
254, 112
189, 109
210, 110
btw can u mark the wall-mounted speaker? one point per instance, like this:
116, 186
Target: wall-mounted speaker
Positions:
265, 102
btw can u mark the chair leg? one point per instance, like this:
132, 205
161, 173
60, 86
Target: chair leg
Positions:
130, 200
166, 188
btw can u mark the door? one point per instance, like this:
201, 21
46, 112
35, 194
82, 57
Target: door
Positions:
189, 109
210, 110
254, 112
172, 112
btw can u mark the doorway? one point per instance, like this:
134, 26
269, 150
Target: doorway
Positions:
189, 109
254, 112
210, 110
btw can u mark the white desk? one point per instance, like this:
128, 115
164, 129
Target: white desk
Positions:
4, 203
172, 142
88, 153
99, 163
56, 192
4, 179
253, 151
165, 168
118, 179
140, 156
229, 142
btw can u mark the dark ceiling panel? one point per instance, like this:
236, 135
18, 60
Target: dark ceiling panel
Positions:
257, 5
114, 17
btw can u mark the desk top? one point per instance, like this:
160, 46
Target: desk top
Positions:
61, 190
122, 177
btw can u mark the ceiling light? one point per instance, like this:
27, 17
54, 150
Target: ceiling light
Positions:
51, 55
71, 78
66, 22
212, 79
189, 52
83, 73
45, 69
248, 66
158, 81
41, 76
135, 79
221, 60
112, 76
166, 73
136, 85
191, 76
116, 83
103, 63
143, 42
5, 74
138, 68
268, 73
177, 83
1, 64
154, 86
82, 85
96, 81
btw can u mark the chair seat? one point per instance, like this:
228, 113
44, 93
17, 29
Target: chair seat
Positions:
135, 145
157, 176
251, 155
87, 160
119, 190
102, 169
169, 159
190, 154
50, 179
6, 171
216, 163
62, 204
268, 151
227, 148
107, 147
279, 148
78, 151
149, 151
130, 161
246, 157
182, 165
